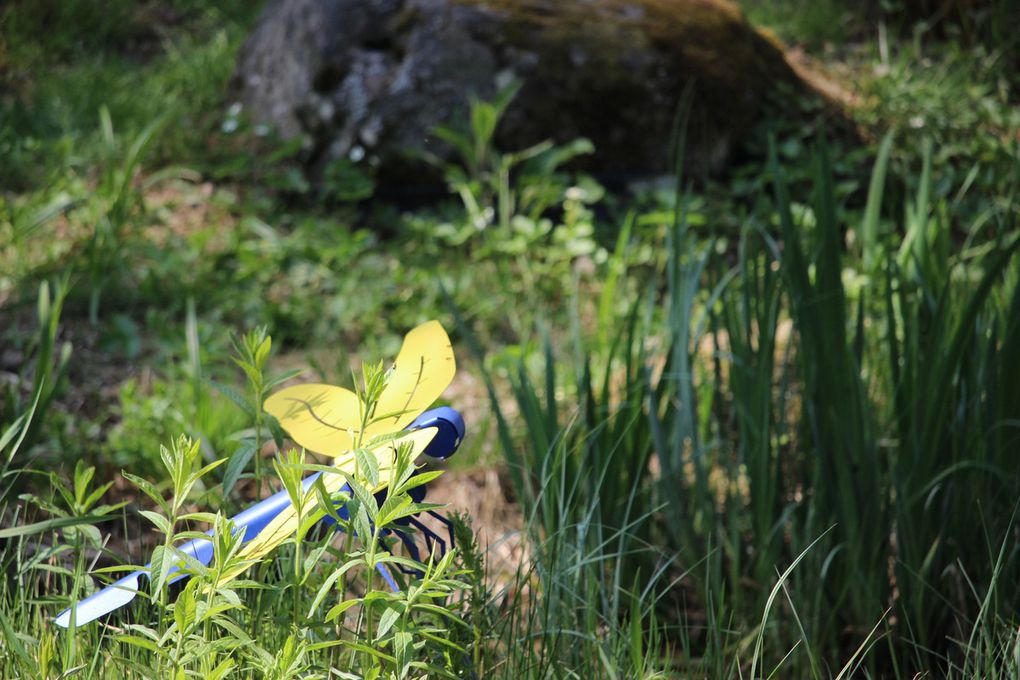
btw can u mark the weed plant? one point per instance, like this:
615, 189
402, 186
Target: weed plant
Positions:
316, 610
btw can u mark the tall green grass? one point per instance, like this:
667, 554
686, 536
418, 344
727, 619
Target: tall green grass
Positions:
763, 414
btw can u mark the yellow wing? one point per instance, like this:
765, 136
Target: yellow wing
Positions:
283, 526
327, 419
321, 418
424, 368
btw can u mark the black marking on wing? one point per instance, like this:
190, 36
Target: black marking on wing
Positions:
316, 418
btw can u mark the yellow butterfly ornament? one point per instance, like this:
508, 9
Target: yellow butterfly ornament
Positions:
335, 422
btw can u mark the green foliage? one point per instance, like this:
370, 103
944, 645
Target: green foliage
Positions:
777, 409
510, 199
766, 434
182, 398
219, 623
344, 181
48, 366
814, 25
958, 102
67, 60
251, 352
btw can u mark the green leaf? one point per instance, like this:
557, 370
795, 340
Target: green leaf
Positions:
185, 609
418, 480
337, 610
328, 504
221, 670
282, 378
393, 508
14, 643
137, 641
367, 466
869, 230
327, 586
207, 469
239, 460
149, 490
51, 524
163, 559
201, 516
116, 569
12, 431
365, 497
262, 351
233, 395
403, 646
83, 475
389, 617
93, 497
408, 509
390, 558
362, 522
159, 521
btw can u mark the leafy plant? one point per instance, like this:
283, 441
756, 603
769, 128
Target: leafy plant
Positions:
251, 354
522, 204
49, 367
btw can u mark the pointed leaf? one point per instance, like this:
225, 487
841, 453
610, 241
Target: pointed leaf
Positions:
386, 621
239, 460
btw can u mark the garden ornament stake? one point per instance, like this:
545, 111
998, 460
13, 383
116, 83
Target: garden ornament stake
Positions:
336, 422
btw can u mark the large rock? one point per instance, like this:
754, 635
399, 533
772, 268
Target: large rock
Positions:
371, 79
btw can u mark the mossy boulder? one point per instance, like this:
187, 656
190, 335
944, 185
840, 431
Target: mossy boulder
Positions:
371, 79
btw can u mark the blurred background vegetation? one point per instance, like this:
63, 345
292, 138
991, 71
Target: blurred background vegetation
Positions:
760, 424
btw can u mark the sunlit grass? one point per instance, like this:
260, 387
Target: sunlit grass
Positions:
774, 444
